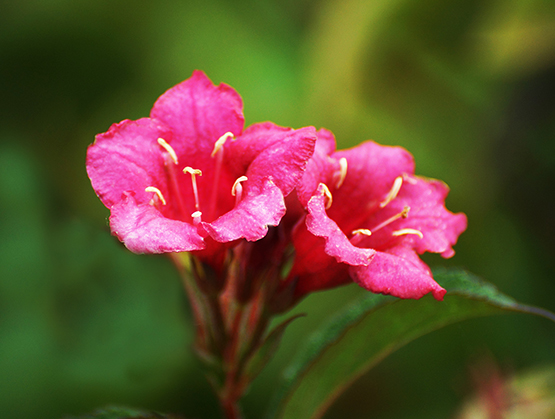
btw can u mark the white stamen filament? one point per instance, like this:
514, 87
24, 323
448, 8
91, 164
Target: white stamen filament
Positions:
157, 192
397, 183
194, 173
402, 214
220, 143
326, 192
237, 188
340, 176
359, 234
404, 231
169, 149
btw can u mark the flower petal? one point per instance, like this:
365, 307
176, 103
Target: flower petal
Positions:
262, 207
199, 113
268, 151
143, 229
398, 272
440, 228
313, 268
127, 158
337, 244
371, 172
320, 167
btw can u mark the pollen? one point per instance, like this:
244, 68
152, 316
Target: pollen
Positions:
326, 192
237, 188
157, 192
397, 183
405, 231
220, 143
169, 149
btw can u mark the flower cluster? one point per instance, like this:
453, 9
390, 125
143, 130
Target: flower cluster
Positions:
190, 178
266, 214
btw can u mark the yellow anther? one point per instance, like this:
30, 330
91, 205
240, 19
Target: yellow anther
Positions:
237, 184
404, 231
168, 148
220, 143
340, 176
397, 183
192, 171
361, 231
326, 192
157, 192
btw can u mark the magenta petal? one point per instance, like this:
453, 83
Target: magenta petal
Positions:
127, 158
320, 168
398, 272
143, 229
199, 112
251, 218
440, 228
313, 268
337, 244
371, 171
273, 152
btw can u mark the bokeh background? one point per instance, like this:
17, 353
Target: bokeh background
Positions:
467, 86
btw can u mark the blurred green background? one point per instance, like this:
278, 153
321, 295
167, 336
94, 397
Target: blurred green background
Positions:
467, 86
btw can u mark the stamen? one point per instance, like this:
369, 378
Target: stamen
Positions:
220, 143
157, 192
363, 231
409, 179
404, 231
402, 214
326, 192
359, 234
196, 217
169, 149
340, 176
236, 189
194, 173
397, 183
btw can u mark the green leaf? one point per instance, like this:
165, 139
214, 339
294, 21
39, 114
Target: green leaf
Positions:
373, 327
267, 349
119, 412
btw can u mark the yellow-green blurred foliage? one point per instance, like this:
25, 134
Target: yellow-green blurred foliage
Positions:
467, 86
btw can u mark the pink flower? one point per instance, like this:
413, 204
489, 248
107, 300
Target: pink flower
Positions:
188, 177
368, 219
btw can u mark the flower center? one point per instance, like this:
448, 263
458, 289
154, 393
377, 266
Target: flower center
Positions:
171, 161
359, 234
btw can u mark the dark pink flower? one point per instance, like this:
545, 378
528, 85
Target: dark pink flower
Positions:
368, 219
189, 177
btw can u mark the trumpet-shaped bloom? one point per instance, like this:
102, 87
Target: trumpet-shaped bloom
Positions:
368, 219
189, 177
